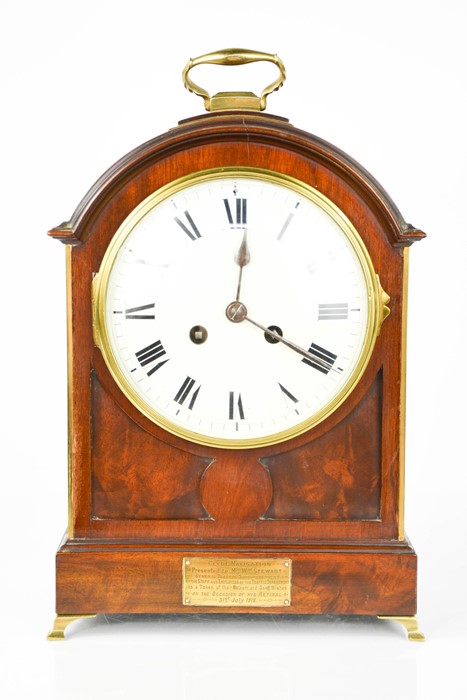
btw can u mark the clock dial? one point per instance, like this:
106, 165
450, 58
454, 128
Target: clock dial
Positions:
236, 307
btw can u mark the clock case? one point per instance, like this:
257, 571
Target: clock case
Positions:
141, 499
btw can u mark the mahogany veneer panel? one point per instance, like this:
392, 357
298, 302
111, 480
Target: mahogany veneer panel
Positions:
135, 475
338, 475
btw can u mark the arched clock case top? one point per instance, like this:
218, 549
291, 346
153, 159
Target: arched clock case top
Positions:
331, 497
259, 143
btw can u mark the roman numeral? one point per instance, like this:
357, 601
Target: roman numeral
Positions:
324, 358
287, 394
136, 312
235, 406
187, 390
288, 397
191, 229
150, 354
287, 222
333, 312
240, 213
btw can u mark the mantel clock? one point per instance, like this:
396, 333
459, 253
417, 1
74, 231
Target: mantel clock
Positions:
237, 296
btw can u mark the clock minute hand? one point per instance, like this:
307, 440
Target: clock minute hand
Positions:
237, 312
242, 258
301, 351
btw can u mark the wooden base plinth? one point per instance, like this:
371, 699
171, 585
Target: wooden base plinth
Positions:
351, 579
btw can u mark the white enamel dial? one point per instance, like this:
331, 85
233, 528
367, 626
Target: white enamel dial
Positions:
236, 307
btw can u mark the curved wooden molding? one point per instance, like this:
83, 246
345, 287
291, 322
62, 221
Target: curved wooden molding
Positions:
263, 129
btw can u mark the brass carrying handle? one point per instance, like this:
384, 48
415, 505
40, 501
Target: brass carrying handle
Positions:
234, 100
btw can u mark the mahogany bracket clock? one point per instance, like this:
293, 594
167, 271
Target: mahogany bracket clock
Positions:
237, 295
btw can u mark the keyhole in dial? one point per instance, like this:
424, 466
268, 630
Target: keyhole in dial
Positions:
198, 335
270, 338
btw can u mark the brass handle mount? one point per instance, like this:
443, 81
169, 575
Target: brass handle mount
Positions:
234, 100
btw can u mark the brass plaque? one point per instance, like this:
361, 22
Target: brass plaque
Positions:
264, 583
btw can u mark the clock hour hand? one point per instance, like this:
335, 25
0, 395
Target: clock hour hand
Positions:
242, 258
237, 312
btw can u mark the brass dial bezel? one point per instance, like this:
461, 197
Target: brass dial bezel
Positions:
377, 300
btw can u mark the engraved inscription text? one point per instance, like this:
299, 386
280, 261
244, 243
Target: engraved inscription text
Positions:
226, 582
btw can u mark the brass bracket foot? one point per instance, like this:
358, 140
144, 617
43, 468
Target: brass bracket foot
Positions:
61, 622
410, 623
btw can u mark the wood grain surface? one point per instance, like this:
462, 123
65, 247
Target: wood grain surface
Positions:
134, 483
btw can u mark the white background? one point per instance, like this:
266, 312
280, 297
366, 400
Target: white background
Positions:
82, 84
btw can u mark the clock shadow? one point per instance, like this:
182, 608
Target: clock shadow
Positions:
224, 656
